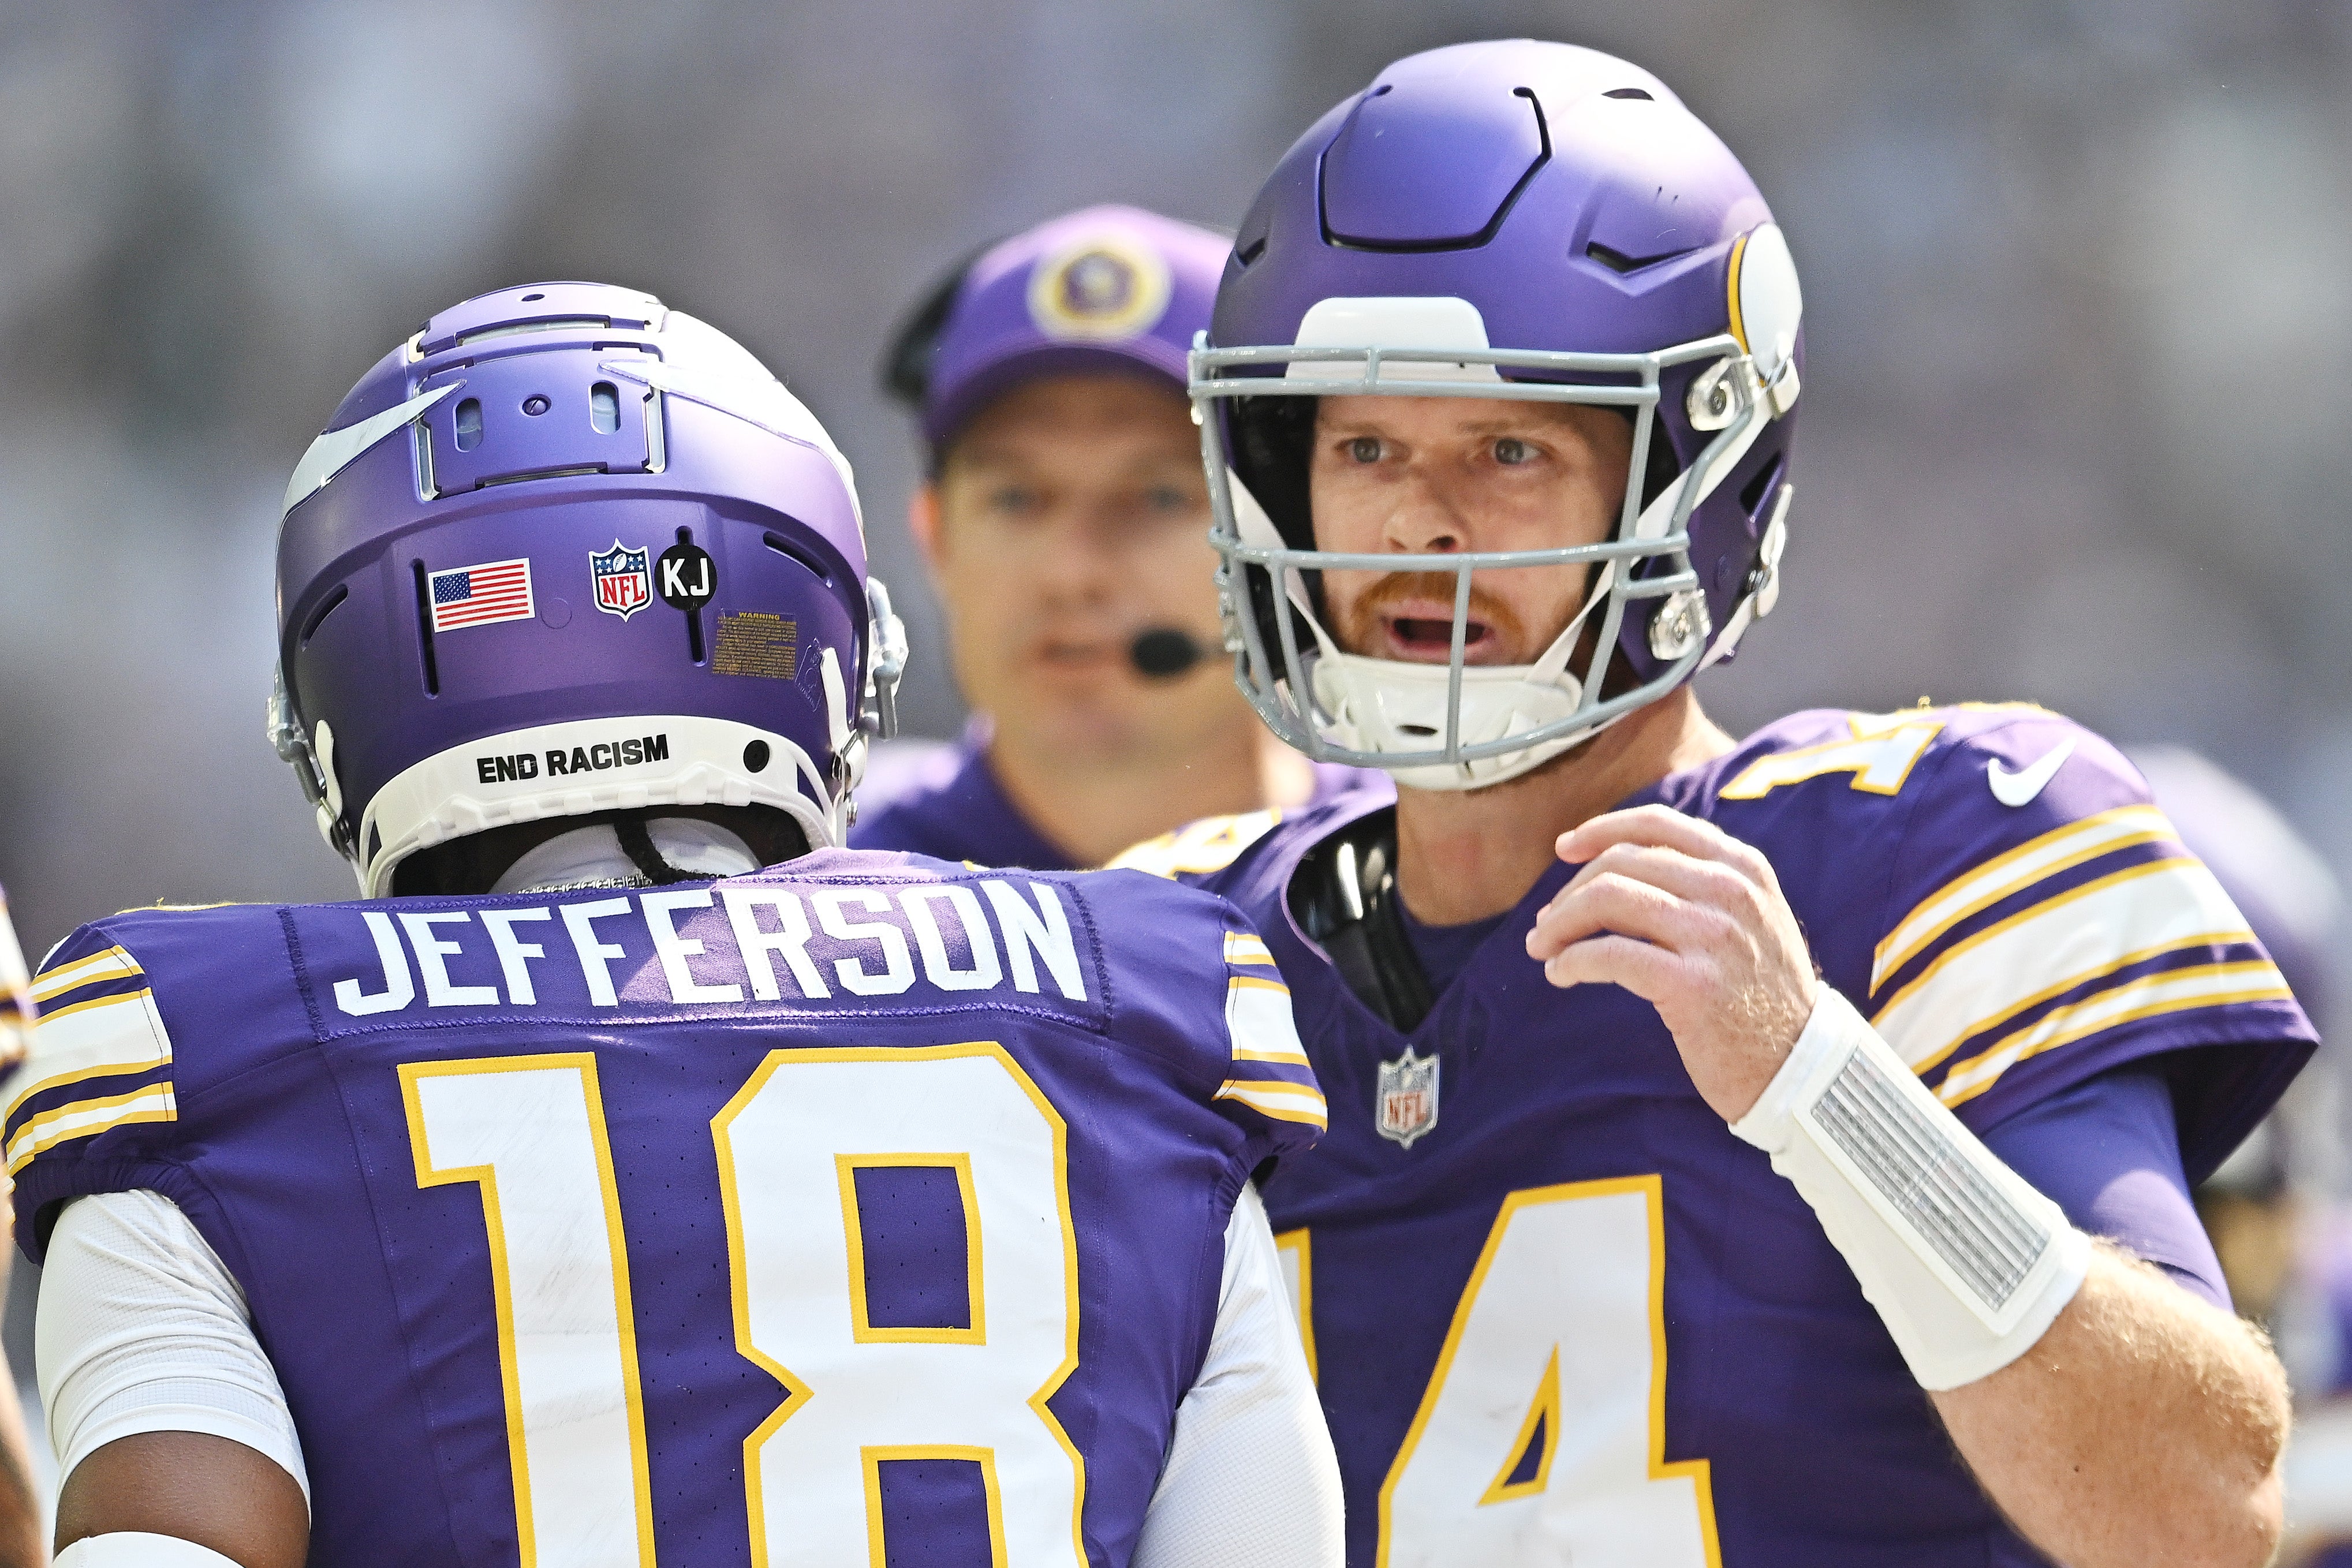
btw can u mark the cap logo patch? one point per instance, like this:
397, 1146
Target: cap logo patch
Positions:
1101, 287
624, 583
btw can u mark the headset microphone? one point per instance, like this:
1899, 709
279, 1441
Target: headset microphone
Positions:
1163, 653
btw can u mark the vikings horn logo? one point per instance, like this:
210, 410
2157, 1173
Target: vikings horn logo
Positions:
1105, 287
624, 583
1408, 1098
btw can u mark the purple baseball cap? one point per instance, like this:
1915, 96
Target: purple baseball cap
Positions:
1106, 288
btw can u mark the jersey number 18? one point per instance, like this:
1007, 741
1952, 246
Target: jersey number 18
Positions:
531, 1131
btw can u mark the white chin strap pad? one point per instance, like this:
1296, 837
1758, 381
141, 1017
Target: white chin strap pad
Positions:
1966, 1262
137, 1548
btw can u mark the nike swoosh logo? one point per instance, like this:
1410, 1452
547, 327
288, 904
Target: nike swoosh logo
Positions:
334, 449
2020, 788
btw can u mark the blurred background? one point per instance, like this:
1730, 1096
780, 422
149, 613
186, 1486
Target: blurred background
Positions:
2078, 277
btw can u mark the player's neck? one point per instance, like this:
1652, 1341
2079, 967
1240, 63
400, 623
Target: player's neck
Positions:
1467, 855
1094, 805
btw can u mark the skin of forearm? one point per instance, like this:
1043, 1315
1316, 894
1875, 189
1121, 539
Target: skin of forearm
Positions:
2145, 1427
20, 1508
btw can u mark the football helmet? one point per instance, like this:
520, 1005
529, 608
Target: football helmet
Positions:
1505, 220
566, 550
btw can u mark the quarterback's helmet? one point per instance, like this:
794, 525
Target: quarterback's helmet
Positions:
1515, 220
567, 551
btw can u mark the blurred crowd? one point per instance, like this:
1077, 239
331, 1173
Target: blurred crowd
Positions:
2078, 279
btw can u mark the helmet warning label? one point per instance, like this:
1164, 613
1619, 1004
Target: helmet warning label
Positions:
753, 642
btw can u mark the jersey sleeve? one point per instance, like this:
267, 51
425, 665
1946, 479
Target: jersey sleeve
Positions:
140, 1015
1269, 1086
96, 1082
2044, 923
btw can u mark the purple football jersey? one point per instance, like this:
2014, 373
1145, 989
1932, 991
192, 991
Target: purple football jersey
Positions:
862, 1204
1560, 1313
945, 801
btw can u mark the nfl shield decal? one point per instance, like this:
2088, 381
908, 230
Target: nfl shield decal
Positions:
624, 583
1407, 1097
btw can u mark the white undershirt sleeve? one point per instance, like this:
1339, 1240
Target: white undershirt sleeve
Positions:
1251, 1480
142, 1329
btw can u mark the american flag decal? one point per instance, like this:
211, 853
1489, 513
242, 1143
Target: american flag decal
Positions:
477, 595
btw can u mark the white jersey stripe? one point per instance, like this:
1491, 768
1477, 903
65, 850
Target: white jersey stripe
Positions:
113, 964
88, 1118
1985, 886
2081, 932
113, 1034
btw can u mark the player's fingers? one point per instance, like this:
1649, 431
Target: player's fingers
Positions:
1622, 905
1659, 826
1649, 973
1685, 876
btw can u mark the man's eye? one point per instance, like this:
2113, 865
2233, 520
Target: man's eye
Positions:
1510, 451
1365, 449
1013, 499
1166, 499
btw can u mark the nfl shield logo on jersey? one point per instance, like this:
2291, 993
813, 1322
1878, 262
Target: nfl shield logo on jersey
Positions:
1407, 1097
624, 583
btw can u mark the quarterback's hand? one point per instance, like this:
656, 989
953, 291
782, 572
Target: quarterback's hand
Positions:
1693, 922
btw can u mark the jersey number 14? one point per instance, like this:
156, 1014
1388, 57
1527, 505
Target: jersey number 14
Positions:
1541, 1436
531, 1131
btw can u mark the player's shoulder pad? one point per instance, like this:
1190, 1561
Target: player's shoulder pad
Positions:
1248, 858
126, 1006
1198, 849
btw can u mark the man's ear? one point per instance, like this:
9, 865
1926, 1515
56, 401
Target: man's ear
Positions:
923, 523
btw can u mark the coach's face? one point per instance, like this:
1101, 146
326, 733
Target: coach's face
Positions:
1069, 515
1438, 476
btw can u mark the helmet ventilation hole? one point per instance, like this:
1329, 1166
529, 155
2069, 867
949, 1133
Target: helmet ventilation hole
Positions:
782, 546
605, 407
755, 757
425, 629
693, 614
533, 299
470, 424
1641, 93
318, 615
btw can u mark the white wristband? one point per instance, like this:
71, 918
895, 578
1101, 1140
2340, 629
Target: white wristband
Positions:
137, 1548
1966, 1262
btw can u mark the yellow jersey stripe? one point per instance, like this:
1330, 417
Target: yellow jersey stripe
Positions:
2207, 986
1252, 982
2165, 903
95, 1040
113, 964
1984, 885
88, 1118
1282, 1101
1247, 952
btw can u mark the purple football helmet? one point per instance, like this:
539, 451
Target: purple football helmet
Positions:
567, 551
1516, 220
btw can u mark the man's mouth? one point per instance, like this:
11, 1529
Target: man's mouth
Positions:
1424, 637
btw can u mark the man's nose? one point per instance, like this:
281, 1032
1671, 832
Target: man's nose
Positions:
1424, 521
1080, 562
